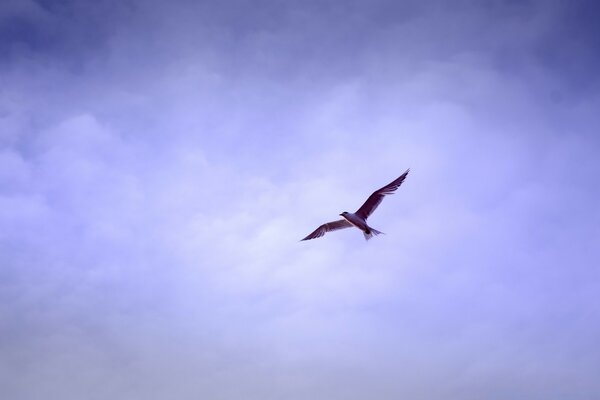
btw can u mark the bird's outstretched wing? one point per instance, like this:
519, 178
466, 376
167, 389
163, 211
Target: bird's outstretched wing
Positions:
375, 199
328, 227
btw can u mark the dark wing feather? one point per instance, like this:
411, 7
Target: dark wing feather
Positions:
328, 227
377, 197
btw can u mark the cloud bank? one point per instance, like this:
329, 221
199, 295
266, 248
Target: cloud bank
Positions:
159, 164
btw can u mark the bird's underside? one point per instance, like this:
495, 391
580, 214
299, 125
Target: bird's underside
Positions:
359, 218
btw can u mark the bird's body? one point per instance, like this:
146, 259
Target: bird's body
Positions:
359, 218
361, 224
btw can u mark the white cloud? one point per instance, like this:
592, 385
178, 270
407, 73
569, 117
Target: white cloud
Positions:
152, 200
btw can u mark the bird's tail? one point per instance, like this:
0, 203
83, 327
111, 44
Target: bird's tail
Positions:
370, 232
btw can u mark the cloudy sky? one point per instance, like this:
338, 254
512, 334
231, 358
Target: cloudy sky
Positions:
159, 162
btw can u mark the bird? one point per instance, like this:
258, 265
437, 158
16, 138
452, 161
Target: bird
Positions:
359, 218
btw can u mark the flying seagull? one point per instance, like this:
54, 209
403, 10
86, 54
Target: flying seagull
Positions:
359, 218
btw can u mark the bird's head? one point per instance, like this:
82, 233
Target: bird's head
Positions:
344, 213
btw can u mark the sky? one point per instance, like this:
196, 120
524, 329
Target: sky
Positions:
159, 162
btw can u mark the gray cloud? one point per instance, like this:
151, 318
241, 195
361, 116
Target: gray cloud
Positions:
159, 163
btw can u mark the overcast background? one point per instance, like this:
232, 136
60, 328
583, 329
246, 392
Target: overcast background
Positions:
159, 162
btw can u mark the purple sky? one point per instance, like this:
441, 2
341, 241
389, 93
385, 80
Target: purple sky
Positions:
159, 162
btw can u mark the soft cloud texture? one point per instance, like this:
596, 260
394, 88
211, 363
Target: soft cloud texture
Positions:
159, 163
